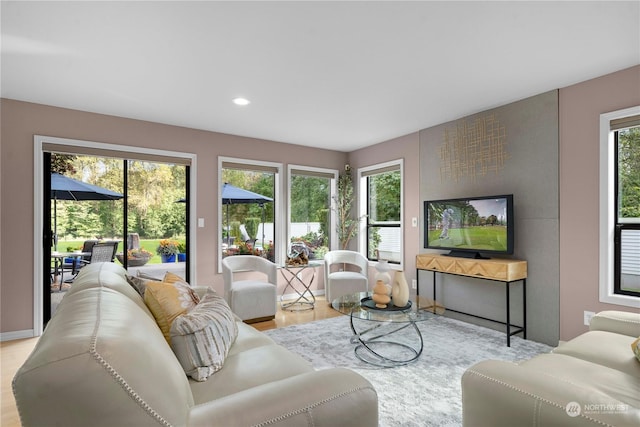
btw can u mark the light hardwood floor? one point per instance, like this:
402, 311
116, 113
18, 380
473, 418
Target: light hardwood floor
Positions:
14, 353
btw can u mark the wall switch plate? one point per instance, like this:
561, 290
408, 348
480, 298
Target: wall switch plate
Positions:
587, 317
414, 284
414, 222
200, 222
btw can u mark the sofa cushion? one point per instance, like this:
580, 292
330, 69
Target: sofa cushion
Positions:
202, 337
168, 301
619, 322
248, 338
107, 275
603, 383
603, 348
250, 368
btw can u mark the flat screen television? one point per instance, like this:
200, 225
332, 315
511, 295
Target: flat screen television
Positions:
470, 227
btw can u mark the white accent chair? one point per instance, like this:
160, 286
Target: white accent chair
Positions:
254, 299
345, 281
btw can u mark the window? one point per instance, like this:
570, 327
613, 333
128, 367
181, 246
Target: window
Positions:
178, 214
381, 207
620, 207
248, 208
627, 208
311, 220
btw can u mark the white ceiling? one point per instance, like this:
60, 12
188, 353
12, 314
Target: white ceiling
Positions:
338, 75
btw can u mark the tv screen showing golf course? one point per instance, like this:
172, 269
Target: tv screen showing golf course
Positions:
474, 224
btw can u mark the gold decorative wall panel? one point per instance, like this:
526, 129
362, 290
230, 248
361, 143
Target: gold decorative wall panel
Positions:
473, 148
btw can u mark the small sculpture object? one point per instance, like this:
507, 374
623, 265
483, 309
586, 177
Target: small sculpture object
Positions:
400, 289
381, 294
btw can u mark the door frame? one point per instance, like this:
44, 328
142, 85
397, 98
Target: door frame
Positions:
38, 215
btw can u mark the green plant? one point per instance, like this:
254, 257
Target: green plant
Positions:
182, 247
235, 230
347, 226
167, 247
251, 225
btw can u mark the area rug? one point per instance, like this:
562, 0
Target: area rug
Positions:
426, 392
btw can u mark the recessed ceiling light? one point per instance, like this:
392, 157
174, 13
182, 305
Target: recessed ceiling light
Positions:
241, 101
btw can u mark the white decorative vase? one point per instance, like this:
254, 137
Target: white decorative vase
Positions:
400, 290
382, 274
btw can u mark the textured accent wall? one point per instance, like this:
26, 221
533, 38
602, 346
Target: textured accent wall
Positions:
512, 149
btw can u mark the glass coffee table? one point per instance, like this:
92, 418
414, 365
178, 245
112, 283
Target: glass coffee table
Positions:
376, 332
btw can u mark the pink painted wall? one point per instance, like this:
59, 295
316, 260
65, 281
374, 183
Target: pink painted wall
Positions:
408, 148
580, 109
20, 121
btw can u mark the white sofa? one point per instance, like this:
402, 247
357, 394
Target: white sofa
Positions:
591, 380
103, 361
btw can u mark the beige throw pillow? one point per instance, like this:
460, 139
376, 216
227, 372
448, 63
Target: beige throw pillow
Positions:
635, 346
202, 337
167, 301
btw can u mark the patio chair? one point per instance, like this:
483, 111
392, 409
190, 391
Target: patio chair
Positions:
345, 281
253, 300
76, 263
100, 252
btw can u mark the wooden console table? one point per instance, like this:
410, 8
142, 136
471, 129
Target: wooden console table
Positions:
505, 271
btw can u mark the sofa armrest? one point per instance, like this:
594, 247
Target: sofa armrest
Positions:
328, 397
620, 322
499, 393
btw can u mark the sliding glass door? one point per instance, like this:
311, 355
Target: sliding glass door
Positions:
148, 220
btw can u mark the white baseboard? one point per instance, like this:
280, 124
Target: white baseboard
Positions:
16, 335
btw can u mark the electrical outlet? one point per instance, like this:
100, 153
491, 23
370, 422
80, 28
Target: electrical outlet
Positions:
414, 284
587, 317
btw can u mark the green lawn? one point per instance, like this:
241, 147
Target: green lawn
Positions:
488, 238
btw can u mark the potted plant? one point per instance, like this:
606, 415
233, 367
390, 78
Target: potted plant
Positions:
135, 257
182, 252
167, 249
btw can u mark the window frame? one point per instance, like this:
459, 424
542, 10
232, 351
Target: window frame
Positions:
608, 211
363, 206
42, 143
279, 229
291, 169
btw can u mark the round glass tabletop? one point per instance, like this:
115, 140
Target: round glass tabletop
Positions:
358, 307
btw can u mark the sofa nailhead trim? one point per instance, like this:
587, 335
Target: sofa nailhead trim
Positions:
310, 407
538, 398
111, 370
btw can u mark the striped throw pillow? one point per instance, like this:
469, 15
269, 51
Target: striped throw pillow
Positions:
201, 338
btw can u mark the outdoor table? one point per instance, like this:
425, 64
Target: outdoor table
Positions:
58, 260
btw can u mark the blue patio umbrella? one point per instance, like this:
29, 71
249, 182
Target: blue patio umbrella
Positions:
65, 188
234, 195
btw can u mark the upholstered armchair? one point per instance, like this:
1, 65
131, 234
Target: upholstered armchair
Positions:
344, 280
252, 299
